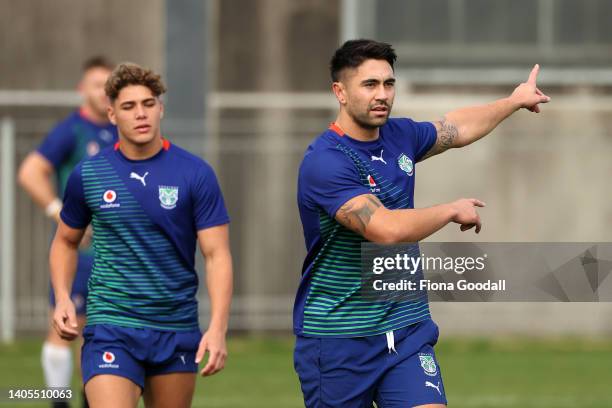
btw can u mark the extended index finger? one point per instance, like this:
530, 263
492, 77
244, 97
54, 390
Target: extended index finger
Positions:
478, 203
534, 74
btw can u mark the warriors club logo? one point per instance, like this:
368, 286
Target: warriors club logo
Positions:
428, 364
168, 196
406, 164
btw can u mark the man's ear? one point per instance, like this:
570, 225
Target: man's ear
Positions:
340, 91
110, 112
161, 109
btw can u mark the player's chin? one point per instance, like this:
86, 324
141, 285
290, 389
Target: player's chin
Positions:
141, 138
378, 120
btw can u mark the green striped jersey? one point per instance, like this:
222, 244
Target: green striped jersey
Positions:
145, 216
335, 169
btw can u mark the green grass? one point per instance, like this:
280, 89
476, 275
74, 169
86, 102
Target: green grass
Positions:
477, 373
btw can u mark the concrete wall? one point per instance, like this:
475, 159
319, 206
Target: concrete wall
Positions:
270, 45
43, 43
545, 178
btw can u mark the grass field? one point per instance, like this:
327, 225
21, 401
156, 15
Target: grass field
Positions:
477, 373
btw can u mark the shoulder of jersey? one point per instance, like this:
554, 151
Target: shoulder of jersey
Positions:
67, 122
104, 152
74, 116
394, 123
186, 156
325, 141
322, 152
398, 128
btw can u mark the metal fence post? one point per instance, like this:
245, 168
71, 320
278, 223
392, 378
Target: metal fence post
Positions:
7, 229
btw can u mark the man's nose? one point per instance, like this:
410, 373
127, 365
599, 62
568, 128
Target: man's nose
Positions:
382, 93
140, 112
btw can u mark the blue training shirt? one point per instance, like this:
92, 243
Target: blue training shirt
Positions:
335, 169
145, 215
70, 141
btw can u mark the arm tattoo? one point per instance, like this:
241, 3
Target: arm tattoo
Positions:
447, 133
356, 213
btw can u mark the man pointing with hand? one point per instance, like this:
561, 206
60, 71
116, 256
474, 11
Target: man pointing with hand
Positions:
356, 184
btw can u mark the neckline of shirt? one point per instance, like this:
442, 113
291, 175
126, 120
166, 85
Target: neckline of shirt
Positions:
165, 147
338, 132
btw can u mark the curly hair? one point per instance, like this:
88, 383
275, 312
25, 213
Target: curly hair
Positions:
126, 74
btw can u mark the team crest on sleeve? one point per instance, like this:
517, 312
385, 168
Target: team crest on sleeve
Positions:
406, 164
429, 364
168, 196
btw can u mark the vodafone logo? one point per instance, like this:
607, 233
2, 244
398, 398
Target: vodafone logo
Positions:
371, 181
109, 196
373, 186
108, 357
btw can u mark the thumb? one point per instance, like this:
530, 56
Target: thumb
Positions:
72, 320
201, 350
478, 203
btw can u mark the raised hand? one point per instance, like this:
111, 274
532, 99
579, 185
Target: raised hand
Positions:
527, 95
466, 214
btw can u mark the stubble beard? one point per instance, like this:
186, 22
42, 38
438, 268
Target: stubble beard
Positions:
364, 121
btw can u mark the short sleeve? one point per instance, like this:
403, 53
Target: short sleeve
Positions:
208, 204
328, 179
75, 212
58, 144
423, 135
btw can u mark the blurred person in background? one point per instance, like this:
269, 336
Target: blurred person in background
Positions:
150, 202
82, 134
356, 184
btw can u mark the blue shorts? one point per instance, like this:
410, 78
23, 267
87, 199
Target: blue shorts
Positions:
137, 353
79, 285
354, 372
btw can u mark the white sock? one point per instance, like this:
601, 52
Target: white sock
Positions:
57, 365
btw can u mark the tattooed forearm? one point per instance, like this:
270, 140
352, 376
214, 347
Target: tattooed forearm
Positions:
357, 212
447, 133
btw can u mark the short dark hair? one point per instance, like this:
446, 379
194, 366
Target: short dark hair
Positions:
354, 52
97, 61
132, 74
